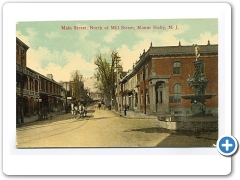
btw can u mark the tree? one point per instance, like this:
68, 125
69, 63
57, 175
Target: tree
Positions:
77, 86
106, 74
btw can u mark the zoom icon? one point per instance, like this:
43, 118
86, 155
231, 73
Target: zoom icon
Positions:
227, 145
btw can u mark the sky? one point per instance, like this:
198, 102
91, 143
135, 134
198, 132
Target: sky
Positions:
60, 47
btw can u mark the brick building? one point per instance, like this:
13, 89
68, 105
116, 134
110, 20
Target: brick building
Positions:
162, 74
33, 90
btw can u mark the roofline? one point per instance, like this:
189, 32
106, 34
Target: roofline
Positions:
184, 45
22, 43
142, 59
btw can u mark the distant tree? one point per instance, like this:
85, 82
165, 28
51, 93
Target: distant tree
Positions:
77, 86
106, 74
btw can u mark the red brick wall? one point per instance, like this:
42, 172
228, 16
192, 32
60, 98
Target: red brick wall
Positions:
211, 72
18, 56
164, 66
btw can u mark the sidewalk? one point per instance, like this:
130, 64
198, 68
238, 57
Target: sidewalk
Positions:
134, 115
35, 118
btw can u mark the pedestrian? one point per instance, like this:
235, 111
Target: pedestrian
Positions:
72, 108
45, 113
75, 111
81, 111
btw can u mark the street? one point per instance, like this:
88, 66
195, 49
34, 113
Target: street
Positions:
105, 128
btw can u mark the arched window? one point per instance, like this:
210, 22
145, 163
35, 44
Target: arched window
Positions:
177, 93
176, 67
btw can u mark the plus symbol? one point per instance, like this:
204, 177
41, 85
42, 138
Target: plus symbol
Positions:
227, 145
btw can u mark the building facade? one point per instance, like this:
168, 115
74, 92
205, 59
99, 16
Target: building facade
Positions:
162, 74
52, 93
66, 93
130, 91
33, 90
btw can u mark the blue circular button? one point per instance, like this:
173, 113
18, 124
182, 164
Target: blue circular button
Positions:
227, 145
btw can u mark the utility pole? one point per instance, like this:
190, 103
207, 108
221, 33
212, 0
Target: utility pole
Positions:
117, 85
117, 59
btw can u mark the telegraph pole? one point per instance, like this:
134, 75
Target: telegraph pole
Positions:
117, 86
117, 80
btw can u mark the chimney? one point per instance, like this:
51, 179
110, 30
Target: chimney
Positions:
50, 76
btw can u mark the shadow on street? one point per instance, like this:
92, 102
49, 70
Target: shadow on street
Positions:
90, 111
101, 118
182, 138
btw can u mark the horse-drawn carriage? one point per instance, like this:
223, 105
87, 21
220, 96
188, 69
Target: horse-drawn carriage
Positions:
78, 110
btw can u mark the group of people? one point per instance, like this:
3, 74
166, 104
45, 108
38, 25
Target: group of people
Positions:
78, 109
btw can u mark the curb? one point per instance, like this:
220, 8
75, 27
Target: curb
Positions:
135, 116
37, 120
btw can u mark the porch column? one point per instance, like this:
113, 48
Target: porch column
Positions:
166, 96
134, 100
139, 100
159, 95
152, 97
28, 84
38, 96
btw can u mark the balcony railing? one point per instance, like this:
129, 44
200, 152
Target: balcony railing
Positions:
31, 93
174, 99
27, 92
26, 72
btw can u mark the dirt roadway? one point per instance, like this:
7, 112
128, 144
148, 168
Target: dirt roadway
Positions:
103, 128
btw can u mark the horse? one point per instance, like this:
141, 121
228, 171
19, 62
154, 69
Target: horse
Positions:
74, 110
82, 111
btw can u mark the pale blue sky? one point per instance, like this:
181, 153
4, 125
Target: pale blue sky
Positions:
59, 52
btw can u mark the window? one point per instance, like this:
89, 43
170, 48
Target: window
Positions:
177, 93
22, 52
147, 97
146, 72
176, 67
141, 75
45, 86
36, 85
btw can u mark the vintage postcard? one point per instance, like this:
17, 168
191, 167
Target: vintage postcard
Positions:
117, 83
117, 89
